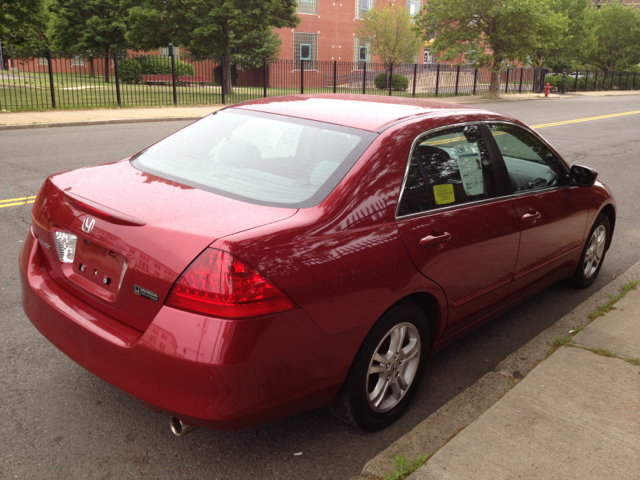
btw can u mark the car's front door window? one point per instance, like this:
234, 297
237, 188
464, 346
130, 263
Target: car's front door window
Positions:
530, 163
448, 167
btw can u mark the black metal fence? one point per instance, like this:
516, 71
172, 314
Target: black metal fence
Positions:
32, 82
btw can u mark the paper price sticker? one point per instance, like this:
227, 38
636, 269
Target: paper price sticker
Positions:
444, 194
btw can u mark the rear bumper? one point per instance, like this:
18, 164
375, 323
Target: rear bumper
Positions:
206, 371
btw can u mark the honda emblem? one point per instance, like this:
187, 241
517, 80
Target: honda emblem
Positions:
87, 224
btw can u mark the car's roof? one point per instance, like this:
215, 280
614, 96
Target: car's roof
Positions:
366, 112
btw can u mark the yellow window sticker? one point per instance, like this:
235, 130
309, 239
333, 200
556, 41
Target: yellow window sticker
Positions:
444, 194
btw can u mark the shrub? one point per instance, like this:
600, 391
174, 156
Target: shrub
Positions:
398, 82
132, 69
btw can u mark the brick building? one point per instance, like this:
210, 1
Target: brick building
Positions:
327, 31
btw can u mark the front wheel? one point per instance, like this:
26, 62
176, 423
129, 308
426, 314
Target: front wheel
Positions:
387, 370
593, 253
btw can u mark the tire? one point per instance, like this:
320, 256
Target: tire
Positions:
593, 253
383, 378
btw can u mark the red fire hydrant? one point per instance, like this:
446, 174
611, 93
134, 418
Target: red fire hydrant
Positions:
547, 87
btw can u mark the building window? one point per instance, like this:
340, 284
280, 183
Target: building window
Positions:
305, 51
413, 6
305, 47
165, 52
77, 61
362, 51
308, 7
42, 61
363, 6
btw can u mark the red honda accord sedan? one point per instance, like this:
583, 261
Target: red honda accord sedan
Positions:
289, 253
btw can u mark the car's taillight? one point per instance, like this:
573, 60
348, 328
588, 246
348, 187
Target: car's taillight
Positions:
221, 285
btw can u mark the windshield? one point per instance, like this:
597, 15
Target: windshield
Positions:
257, 157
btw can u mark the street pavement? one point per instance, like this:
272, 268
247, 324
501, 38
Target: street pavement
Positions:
58, 421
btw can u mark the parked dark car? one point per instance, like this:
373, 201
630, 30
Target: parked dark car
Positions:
289, 253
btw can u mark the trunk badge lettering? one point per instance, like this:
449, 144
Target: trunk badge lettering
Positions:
87, 224
143, 292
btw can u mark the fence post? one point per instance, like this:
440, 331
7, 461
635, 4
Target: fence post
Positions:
415, 77
173, 75
628, 73
475, 80
115, 65
437, 78
301, 77
633, 84
391, 79
2, 58
264, 76
620, 81
586, 80
576, 80
521, 74
595, 81
335, 75
53, 92
457, 79
222, 92
364, 78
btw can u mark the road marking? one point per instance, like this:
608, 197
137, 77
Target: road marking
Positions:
12, 202
4, 205
17, 199
588, 119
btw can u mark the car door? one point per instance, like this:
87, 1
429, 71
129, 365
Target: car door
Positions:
551, 213
454, 225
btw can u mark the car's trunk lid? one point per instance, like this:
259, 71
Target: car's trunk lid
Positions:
146, 231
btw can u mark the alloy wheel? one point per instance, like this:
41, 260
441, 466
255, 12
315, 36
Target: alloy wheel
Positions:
393, 367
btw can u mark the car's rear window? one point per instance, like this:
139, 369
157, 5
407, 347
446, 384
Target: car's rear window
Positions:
258, 157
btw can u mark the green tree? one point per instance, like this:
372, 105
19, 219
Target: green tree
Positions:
395, 38
21, 21
490, 33
92, 27
563, 46
616, 37
238, 29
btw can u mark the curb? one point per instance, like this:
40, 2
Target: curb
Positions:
444, 424
94, 122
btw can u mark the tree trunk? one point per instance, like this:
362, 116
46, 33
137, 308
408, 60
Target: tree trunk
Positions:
106, 66
494, 84
389, 75
225, 73
92, 72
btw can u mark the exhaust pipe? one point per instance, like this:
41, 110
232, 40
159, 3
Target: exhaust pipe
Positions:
179, 428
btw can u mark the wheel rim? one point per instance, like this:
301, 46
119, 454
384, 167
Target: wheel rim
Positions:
595, 250
393, 367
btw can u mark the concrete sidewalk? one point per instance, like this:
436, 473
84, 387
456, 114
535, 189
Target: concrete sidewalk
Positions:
574, 416
59, 118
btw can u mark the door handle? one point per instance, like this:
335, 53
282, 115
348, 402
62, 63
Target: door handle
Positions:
435, 240
531, 217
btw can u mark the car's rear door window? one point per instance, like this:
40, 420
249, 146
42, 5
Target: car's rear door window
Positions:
448, 167
530, 163
257, 157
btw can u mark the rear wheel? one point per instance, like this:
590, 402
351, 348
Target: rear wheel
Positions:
387, 370
593, 253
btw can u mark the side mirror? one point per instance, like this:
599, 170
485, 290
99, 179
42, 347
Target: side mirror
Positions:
582, 176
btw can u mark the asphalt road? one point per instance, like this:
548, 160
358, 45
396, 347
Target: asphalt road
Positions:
59, 421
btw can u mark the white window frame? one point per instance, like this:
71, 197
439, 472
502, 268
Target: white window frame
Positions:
75, 61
